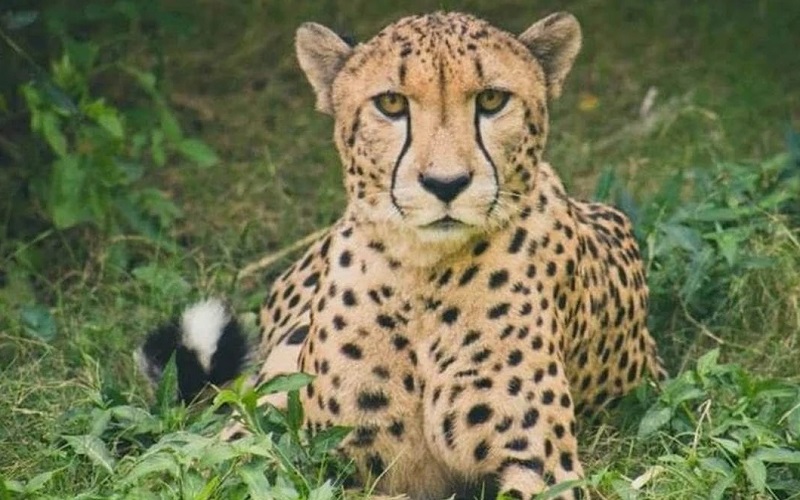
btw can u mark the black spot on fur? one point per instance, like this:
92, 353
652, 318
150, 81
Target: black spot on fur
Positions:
566, 461
517, 240
468, 275
397, 428
478, 414
470, 337
481, 451
499, 310
450, 315
399, 342
352, 351
530, 418
480, 248
372, 400
498, 279
375, 464
447, 429
386, 321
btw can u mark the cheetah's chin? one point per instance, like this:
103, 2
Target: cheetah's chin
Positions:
447, 231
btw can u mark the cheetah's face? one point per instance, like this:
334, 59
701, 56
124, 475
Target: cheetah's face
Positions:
440, 119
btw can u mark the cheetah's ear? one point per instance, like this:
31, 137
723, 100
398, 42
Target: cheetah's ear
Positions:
554, 41
321, 54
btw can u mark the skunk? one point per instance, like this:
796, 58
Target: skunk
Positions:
209, 345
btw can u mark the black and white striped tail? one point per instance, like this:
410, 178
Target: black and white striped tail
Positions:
209, 346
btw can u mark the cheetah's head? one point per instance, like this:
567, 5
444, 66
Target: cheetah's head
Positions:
440, 119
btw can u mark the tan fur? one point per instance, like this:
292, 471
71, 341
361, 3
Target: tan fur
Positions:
458, 354
321, 54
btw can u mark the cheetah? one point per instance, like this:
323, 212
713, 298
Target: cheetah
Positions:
464, 310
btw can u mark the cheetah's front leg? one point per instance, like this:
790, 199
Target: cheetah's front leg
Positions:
498, 405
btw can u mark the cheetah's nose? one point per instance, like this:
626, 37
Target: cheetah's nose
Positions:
446, 189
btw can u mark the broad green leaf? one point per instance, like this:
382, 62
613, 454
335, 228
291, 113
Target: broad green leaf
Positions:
139, 419
622, 490
697, 273
225, 396
729, 247
284, 489
708, 362
284, 383
112, 124
715, 464
132, 171
217, 452
105, 116
209, 490
192, 446
170, 126
717, 491
38, 481
94, 449
773, 201
324, 492
756, 473
39, 322
655, 418
167, 281
138, 141
198, 152
154, 463
16, 20
257, 484
67, 195
294, 411
254, 444
735, 448
82, 54
558, 489
56, 97
159, 206
328, 439
100, 421
681, 389
131, 213
33, 100
193, 484
684, 237
51, 131
145, 79
167, 388
777, 455
10, 485
249, 401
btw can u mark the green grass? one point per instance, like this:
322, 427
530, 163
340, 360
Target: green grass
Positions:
728, 90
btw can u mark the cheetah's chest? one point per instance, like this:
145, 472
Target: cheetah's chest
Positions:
402, 324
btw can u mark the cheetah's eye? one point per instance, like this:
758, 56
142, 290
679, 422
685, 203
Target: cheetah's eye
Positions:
392, 104
490, 101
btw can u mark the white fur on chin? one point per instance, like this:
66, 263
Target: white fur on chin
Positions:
420, 247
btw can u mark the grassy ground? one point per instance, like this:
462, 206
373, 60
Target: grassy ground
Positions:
727, 89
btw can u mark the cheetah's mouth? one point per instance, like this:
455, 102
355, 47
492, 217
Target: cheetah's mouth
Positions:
446, 223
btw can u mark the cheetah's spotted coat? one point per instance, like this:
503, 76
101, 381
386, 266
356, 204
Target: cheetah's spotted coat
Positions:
464, 310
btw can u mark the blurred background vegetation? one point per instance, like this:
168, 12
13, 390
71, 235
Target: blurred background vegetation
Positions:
150, 149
